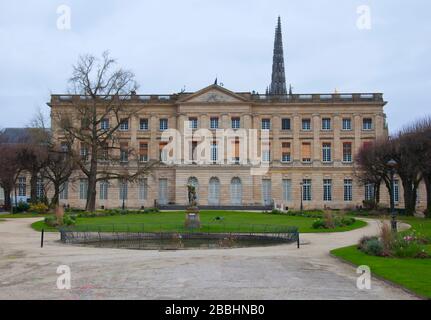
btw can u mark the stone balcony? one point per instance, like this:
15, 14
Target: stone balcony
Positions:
320, 98
252, 97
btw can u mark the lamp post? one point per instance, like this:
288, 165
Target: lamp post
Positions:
123, 194
392, 164
301, 190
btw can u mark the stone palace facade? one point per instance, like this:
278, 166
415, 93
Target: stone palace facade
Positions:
313, 140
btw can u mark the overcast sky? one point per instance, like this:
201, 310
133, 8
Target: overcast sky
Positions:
172, 44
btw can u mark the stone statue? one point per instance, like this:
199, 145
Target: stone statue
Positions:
193, 220
192, 195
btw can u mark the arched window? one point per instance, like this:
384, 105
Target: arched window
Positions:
214, 191
266, 192
236, 191
193, 181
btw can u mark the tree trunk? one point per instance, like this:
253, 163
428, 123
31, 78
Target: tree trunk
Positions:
427, 181
55, 199
377, 193
7, 199
33, 188
409, 197
16, 199
92, 183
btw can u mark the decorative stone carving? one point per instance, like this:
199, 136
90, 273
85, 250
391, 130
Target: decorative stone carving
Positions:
214, 96
193, 220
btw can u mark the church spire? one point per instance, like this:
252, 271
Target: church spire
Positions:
278, 81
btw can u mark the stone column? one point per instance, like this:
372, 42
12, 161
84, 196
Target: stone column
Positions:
337, 147
316, 125
276, 144
296, 141
154, 132
358, 132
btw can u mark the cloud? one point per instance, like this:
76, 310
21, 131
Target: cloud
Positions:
169, 44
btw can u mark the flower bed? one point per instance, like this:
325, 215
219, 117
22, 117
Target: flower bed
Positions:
330, 221
389, 244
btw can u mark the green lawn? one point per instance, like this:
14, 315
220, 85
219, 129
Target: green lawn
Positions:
174, 221
422, 226
413, 274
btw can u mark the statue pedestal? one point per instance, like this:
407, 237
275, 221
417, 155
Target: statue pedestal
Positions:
193, 219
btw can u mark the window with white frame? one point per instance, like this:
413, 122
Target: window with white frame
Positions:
369, 191
22, 187
83, 152
40, 189
163, 124
347, 152
193, 123
348, 189
396, 190
103, 192
143, 152
236, 123
236, 191
123, 189
104, 124
326, 124
214, 191
163, 152
266, 124
285, 124
367, 124
266, 192
286, 152
143, 192
214, 123
143, 124
347, 124
306, 124
306, 152
124, 152
327, 190
163, 191
287, 190
124, 125
83, 188
306, 190
64, 191
326, 152
214, 152
266, 154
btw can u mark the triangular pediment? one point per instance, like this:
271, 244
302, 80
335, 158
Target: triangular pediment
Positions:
213, 94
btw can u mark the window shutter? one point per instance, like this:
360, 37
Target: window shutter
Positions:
306, 150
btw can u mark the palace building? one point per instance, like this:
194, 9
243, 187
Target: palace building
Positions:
313, 139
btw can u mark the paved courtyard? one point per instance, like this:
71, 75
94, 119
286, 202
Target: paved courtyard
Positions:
281, 272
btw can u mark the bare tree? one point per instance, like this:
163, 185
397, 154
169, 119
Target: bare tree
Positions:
372, 166
405, 153
419, 134
406, 149
9, 171
96, 117
58, 169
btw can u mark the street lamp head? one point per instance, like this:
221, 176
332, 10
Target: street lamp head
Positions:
392, 163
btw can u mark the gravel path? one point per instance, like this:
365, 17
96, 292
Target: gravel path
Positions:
270, 273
